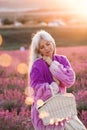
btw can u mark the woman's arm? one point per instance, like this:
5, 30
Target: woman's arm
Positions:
42, 89
63, 72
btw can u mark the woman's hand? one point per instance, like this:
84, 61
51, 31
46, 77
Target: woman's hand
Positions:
48, 60
54, 88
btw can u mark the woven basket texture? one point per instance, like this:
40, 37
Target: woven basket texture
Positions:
58, 107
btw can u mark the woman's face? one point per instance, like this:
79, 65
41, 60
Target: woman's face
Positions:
46, 48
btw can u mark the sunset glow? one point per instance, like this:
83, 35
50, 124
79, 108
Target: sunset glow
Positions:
81, 7
40, 102
52, 121
5, 60
22, 68
43, 114
77, 6
29, 91
29, 101
1, 40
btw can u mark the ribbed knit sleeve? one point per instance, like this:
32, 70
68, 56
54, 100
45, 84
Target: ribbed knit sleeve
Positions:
63, 72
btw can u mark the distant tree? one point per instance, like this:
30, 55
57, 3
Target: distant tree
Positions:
22, 20
7, 21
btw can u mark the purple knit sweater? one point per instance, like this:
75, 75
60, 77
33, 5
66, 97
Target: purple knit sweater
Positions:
41, 77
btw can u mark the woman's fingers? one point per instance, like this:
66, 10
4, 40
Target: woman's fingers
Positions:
48, 60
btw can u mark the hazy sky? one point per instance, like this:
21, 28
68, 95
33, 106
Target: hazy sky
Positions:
33, 3
73, 5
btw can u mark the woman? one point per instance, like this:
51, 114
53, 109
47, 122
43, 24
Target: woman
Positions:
49, 74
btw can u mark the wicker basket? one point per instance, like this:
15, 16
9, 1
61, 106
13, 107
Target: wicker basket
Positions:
57, 108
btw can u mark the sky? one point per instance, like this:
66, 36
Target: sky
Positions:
31, 3
70, 5
34, 3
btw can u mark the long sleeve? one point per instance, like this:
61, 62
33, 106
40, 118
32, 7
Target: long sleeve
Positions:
63, 72
42, 89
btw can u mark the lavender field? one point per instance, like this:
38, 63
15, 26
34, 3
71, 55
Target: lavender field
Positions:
15, 109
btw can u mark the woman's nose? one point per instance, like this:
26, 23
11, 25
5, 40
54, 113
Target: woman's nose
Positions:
46, 47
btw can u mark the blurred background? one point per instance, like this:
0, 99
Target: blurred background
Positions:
66, 21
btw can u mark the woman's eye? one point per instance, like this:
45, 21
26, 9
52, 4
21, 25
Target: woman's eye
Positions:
48, 44
41, 47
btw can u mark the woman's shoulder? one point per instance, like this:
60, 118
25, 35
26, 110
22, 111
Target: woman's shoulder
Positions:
38, 61
38, 64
